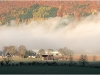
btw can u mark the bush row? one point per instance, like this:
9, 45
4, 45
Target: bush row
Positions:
35, 63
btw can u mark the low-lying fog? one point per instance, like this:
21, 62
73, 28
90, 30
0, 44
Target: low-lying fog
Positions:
80, 36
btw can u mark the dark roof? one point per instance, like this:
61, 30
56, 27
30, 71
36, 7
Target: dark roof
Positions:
45, 55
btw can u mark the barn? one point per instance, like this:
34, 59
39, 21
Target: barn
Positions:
47, 57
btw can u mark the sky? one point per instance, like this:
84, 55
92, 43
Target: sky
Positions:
80, 36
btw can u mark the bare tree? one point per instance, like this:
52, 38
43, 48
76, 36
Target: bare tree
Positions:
94, 58
22, 50
65, 51
10, 49
83, 60
50, 51
41, 52
4, 49
71, 59
7, 59
61, 51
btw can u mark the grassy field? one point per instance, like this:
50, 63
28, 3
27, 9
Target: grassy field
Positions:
45, 69
25, 59
48, 70
18, 59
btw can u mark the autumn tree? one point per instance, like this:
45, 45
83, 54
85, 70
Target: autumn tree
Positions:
8, 53
41, 12
52, 12
59, 12
10, 49
57, 8
22, 50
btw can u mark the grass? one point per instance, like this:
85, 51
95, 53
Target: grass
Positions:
44, 69
25, 59
48, 70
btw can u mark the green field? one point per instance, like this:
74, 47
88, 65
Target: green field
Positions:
18, 59
48, 70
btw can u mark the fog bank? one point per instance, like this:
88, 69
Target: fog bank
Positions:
80, 36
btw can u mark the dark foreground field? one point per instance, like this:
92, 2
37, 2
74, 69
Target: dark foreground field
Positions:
48, 70
36, 66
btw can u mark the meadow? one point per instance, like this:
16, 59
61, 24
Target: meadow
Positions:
37, 66
48, 70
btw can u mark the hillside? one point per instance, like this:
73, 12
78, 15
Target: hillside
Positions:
25, 11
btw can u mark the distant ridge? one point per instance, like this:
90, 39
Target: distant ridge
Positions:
22, 11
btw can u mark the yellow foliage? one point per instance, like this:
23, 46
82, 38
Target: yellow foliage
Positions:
93, 11
16, 13
20, 12
59, 7
17, 20
41, 12
89, 12
14, 10
0, 22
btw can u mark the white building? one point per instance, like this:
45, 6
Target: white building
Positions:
55, 52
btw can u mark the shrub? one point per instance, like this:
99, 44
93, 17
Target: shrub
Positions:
2, 63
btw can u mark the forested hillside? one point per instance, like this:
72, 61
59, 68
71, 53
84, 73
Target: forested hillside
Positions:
26, 11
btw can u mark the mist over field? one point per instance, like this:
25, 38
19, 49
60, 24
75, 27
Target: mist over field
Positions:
80, 36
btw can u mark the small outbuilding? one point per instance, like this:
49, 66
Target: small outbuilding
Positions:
47, 57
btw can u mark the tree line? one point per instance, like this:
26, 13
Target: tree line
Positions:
21, 51
63, 51
26, 15
82, 62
